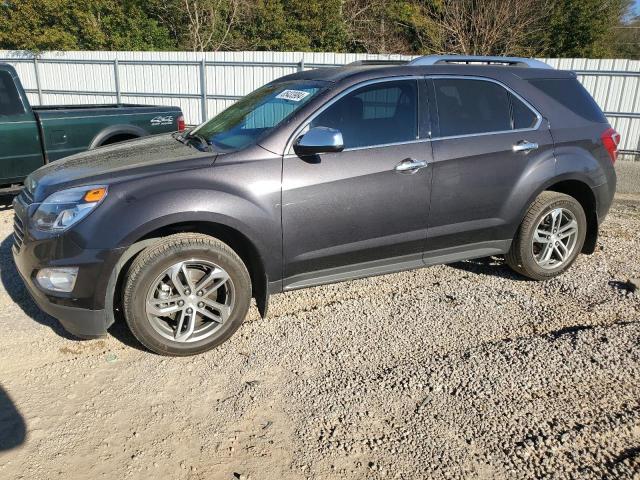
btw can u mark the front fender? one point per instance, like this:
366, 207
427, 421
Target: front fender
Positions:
135, 209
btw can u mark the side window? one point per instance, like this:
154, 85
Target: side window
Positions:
471, 106
523, 117
10, 103
570, 93
378, 114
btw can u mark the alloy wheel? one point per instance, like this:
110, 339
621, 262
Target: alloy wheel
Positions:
555, 238
190, 300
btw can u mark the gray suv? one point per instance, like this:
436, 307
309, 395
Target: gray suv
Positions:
318, 177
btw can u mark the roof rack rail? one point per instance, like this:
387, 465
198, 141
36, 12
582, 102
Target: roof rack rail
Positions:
378, 62
467, 59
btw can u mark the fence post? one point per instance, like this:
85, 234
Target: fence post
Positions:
116, 80
203, 89
37, 72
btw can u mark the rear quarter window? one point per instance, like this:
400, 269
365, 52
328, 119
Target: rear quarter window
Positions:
572, 95
523, 116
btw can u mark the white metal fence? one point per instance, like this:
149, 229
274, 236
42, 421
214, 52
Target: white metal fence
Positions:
204, 84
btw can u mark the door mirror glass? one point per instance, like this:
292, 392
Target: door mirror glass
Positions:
319, 140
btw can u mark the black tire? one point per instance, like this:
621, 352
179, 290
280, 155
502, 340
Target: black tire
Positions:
521, 255
154, 260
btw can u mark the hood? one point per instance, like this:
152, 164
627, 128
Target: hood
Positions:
156, 154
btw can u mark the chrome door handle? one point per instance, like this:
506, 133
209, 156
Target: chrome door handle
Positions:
409, 165
524, 146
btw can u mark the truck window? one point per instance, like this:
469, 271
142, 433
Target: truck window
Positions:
10, 103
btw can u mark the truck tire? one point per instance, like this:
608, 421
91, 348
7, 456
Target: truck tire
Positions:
186, 294
549, 238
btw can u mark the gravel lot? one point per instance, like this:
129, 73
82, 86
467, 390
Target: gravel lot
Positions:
461, 371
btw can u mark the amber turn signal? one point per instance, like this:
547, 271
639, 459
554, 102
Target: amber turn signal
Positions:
95, 195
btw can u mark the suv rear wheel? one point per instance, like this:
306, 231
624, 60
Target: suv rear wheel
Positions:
550, 237
186, 294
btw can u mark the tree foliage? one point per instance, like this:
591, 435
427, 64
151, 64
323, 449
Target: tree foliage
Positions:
554, 28
583, 28
79, 25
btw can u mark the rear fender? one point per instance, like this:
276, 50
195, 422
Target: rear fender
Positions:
114, 130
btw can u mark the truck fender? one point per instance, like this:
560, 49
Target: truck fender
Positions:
114, 130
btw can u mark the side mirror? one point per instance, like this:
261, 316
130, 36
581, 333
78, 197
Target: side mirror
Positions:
319, 140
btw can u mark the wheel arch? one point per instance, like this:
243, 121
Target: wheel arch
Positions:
587, 199
113, 131
239, 242
579, 188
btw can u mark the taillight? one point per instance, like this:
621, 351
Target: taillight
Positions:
181, 124
611, 140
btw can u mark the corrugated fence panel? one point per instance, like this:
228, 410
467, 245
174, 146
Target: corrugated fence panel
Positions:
178, 78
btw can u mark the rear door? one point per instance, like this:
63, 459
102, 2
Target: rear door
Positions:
20, 148
486, 141
358, 212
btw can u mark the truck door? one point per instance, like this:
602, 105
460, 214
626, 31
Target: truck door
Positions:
20, 147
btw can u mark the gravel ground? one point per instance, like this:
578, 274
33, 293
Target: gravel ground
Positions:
461, 371
628, 176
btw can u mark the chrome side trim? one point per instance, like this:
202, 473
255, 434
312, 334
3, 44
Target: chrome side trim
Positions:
435, 139
382, 145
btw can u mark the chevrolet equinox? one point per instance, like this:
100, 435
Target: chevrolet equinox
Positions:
318, 177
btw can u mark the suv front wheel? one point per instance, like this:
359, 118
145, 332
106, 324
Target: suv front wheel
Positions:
549, 238
186, 294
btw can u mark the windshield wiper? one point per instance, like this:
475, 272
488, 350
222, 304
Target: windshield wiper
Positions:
187, 137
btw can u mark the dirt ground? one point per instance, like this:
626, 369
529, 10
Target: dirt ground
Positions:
461, 371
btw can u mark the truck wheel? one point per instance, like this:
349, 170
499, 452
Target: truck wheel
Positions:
549, 238
186, 294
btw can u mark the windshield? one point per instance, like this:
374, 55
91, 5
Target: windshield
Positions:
244, 122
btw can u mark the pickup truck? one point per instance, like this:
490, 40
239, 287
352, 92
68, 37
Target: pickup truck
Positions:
33, 136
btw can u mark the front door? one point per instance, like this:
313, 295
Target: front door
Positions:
361, 211
20, 148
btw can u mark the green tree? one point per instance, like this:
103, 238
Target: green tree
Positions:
582, 28
557, 28
303, 25
79, 24
387, 26
625, 39
267, 27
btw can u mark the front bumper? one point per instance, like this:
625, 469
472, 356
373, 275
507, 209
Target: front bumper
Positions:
81, 322
82, 312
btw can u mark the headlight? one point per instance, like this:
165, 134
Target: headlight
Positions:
65, 208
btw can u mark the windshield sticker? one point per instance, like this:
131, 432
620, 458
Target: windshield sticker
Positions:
293, 95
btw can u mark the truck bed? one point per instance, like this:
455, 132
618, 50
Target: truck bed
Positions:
33, 136
106, 106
